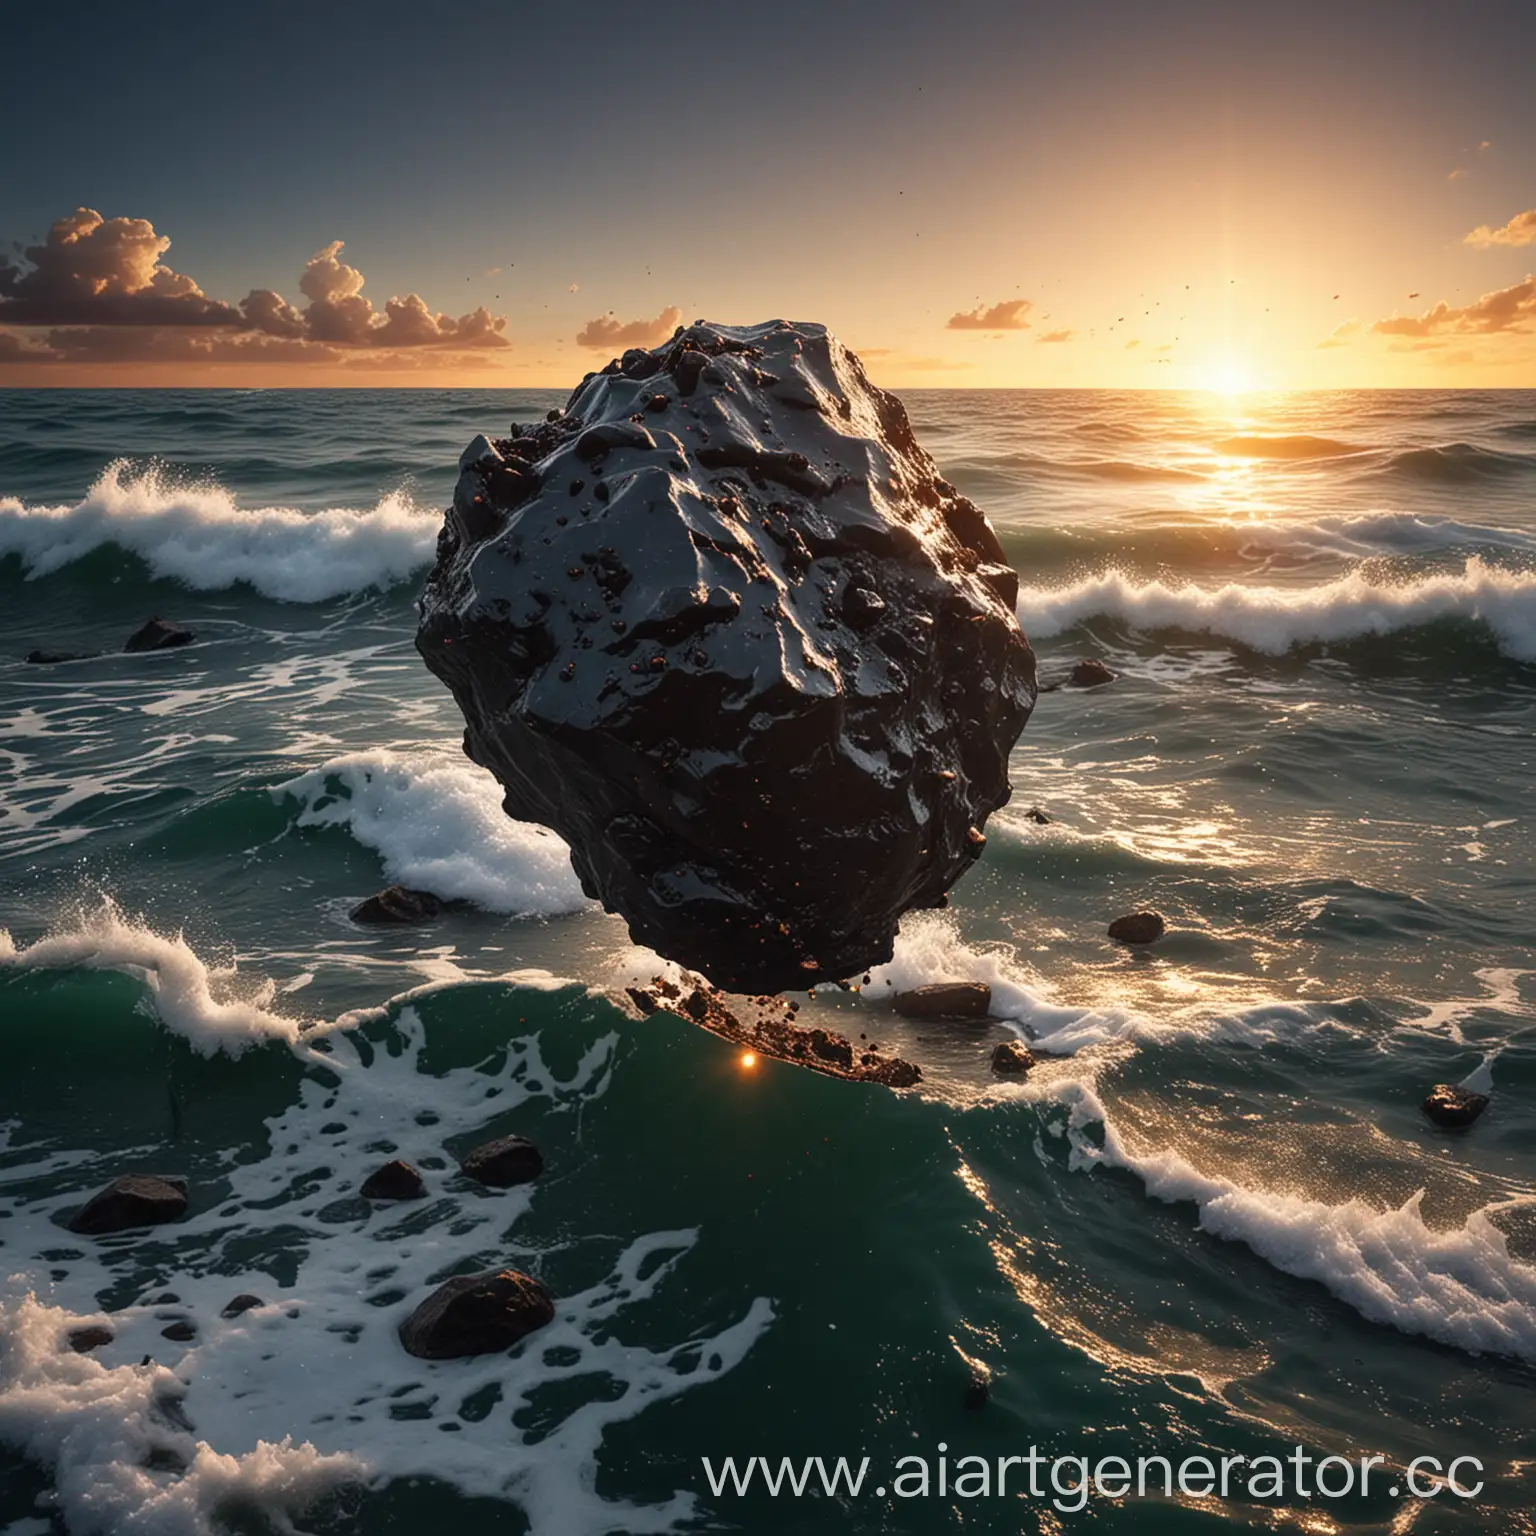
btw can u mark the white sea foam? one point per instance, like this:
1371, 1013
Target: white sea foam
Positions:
196, 534
320, 1358
439, 826
1272, 619
1459, 1285
206, 1005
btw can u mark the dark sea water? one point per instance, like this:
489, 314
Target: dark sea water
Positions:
1212, 1222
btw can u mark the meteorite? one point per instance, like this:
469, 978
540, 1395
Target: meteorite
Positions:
722, 625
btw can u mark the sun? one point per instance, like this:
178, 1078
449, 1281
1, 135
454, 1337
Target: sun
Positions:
1228, 378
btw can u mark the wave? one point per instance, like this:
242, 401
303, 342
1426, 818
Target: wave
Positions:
1185, 544
1456, 464
206, 1005
197, 535
438, 825
1459, 1286
1273, 619
1300, 446
1007, 468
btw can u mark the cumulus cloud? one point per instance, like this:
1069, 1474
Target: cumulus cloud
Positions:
1056, 336
608, 334
1505, 309
1339, 335
1007, 316
1521, 230
101, 287
103, 271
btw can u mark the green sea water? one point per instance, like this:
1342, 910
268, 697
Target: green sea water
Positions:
1212, 1223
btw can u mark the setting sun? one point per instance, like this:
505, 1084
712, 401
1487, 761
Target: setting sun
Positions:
1229, 378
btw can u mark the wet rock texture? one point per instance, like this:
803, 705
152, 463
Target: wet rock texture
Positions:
722, 626
476, 1315
134, 1200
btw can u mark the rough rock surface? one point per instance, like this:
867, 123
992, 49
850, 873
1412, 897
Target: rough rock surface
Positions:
504, 1162
1453, 1107
945, 1000
84, 1340
1090, 673
397, 904
476, 1315
394, 1180
722, 626
774, 1032
135, 1200
158, 635
1011, 1056
1138, 928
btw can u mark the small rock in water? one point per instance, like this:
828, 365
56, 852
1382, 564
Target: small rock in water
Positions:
1453, 1107
396, 1180
1090, 674
52, 658
1138, 928
158, 635
179, 1333
241, 1303
83, 1340
135, 1200
398, 904
476, 1315
945, 1000
504, 1162
1036, 815
1013, 1057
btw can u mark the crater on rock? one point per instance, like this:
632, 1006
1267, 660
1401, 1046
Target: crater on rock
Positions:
722, 625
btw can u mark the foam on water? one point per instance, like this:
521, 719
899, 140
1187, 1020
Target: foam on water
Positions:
196, 534
320, 1359
1458, 1286
205, 1005
1273, 619
438, 825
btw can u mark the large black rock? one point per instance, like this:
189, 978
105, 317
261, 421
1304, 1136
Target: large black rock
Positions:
721, 624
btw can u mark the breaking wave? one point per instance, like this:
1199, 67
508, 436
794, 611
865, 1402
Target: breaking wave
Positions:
197, 535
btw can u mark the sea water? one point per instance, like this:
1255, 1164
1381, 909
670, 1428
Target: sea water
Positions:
1212, 1221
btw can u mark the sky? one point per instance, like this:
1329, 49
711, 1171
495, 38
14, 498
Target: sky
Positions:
1104, 194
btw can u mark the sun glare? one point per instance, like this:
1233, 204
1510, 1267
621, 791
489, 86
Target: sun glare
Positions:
1229, 379
749, 1059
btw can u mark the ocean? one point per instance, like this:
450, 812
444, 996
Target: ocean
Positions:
1212, 1222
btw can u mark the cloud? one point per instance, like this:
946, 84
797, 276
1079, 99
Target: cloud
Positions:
1521, 230
1457, 174
1007, 316
102, 289
1505, 309
1056, 336
107, 272
1340, 334
609, 334
1131, 344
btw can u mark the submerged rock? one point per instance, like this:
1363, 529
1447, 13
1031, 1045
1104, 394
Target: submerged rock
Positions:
1453, 1107
1012, 1057
93, 1336
158, 635
398, 904
135, 1200
1138, 928
395, 1180
721, 625
242, 1303
53, 658
945, 1000
504, 1162
1090, 673
476, 1315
